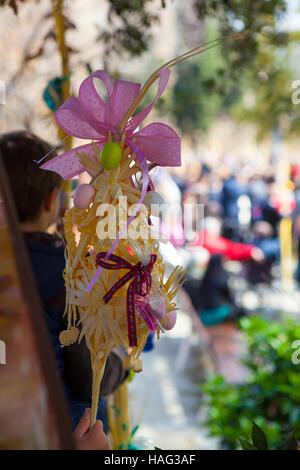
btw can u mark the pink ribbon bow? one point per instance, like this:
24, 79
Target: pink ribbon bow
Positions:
90, 117
140, 285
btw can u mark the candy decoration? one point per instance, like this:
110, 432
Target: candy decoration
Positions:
131, 363
84, 196
157, 306
110, 156
142, 306
170, 322
68, 337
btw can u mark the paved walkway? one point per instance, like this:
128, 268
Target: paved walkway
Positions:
227, 347
165, 398
166, 401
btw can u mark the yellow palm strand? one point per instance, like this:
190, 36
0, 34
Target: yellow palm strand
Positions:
80, 249
126, 161
122, 141
129, 188
130, 172
97, 377
139, 349
171, 278
191, 53
89, 162
171, 63
179, 281
173, 294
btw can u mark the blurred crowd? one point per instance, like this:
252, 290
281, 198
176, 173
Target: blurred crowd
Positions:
237, 215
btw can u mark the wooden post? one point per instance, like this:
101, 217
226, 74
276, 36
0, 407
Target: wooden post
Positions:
119, 418
60, 27
286, 253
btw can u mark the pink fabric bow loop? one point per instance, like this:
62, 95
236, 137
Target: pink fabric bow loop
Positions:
160, 144
70, 166
72, 119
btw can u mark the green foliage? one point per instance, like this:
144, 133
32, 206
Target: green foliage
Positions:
12, 4
251, 78
260, 442
129, 25
270, 396
197, 96
289, 443
255, 18
259, 438
270, 84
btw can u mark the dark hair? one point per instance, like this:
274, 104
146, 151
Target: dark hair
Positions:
29, 184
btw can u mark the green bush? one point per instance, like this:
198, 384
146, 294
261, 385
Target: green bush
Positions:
271, 395
260, 441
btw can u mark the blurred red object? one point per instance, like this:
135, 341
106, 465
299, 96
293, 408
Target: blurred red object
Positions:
217, 244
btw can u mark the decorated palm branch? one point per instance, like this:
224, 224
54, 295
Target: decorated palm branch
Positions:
116, 282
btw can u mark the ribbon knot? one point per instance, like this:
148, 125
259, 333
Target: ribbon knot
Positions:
140, 277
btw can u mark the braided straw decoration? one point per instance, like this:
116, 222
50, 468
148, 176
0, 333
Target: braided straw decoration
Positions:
105, 325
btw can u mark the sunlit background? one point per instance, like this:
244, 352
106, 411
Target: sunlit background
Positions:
236, 109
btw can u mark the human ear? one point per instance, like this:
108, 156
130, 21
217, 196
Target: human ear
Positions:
50, 199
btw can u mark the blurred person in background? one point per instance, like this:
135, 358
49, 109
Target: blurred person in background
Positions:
211, 239
231, 191
263, 238
211, 296
268, 207
259, 195
210, 293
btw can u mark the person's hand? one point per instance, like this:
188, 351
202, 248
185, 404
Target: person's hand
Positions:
257, 255
90, 439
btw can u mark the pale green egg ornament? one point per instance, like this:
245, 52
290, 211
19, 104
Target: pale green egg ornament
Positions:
110, 156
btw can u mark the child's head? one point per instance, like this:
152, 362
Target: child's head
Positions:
35, 191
